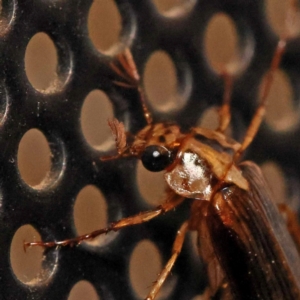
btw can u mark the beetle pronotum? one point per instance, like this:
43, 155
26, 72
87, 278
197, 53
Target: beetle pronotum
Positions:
242, 237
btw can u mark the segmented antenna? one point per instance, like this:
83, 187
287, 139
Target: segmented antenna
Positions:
130, 75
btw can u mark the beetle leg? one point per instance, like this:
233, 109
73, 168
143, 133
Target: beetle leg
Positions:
171, 202
291, 29
177, 246
261, 110
224, 111
291, 222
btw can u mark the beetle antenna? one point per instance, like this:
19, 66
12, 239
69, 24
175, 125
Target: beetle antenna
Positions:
129, 73
118, 131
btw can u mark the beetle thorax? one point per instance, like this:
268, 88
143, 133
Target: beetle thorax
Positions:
203, 160
191, 177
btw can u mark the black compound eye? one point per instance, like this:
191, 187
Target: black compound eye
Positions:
156, 158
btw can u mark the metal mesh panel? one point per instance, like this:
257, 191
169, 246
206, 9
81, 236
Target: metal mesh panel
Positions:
56, 112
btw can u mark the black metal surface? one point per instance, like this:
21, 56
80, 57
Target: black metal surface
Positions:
82, 69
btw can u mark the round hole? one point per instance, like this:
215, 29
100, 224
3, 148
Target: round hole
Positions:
281, 114
83, 290
90, 213
276, 182
151, 185
34, 158
160, 83
276, 14
209, 119
174, 8
206, 295
96, 110
27, 266
104, 24
41, 62
221, 43
145, 265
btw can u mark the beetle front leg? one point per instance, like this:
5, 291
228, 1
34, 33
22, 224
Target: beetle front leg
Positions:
172, 200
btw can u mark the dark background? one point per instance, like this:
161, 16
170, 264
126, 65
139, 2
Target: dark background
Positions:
56, 94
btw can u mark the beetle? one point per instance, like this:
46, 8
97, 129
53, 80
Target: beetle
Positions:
243, 240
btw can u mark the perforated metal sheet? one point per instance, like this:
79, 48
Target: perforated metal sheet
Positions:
75, 164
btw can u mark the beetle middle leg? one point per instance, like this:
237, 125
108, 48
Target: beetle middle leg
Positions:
177, 246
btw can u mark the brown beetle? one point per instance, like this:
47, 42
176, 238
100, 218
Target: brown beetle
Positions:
247, 248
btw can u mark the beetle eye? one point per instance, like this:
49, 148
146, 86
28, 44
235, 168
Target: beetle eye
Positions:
156, 158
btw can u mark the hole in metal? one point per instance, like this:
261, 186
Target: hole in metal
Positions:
276, 14
145, 265
27, 266
160, 82
41, 62
221, 43
209, 119
95, 112
201, 297
174, 8
151, 185
281, 113
104, 24
34, 154
90, 213
83, 290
